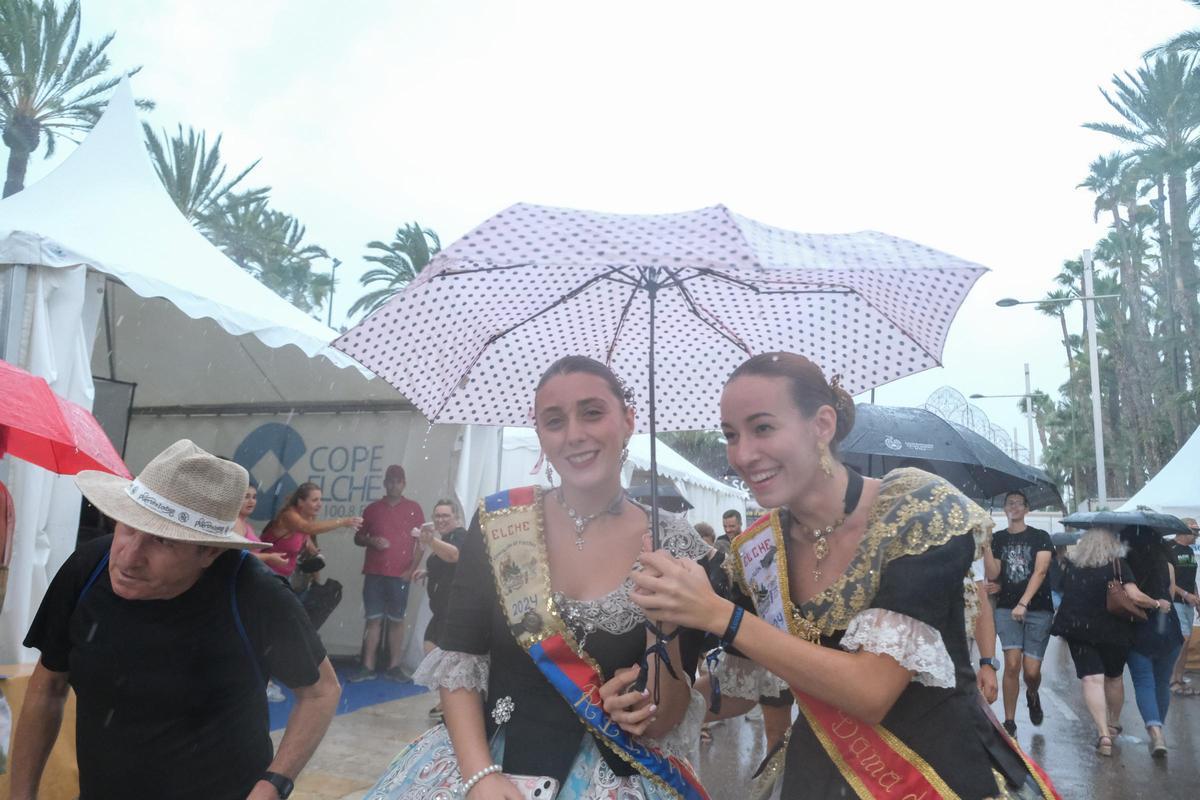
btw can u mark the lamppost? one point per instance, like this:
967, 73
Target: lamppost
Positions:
1028, 397
337, 262
1089, 322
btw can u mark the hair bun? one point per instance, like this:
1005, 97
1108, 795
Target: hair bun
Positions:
843, 404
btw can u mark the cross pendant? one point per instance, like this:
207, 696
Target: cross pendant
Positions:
579, 543
816, 574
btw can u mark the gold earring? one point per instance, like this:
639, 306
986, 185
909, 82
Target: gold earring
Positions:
825, 459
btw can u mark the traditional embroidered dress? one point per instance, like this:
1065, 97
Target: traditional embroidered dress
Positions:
902, 595
509, 637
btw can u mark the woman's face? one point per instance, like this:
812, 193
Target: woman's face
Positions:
582, 428
444, 519
310, 506
249, 501
769, 441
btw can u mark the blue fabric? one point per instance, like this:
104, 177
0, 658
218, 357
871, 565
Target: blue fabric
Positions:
1152, 683
429, 764
497, 502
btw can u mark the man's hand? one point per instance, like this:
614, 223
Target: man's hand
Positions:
991, 587
1018, 613
985, 679
378, 543
420, 575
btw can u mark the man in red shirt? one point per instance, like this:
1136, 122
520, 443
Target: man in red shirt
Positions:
389, 533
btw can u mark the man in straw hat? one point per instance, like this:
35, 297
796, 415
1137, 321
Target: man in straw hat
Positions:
168, 634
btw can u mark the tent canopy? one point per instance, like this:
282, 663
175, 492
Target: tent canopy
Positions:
1176, 488
104, 207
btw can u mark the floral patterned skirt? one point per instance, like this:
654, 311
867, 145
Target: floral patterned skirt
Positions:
428, 770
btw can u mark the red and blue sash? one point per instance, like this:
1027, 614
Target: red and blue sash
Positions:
511, 522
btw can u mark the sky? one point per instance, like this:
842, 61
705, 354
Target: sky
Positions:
957, 125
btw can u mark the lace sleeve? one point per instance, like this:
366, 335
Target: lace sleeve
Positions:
915, 645
741, 677
449, 669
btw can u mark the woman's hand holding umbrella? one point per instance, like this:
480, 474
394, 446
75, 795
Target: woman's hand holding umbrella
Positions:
678, 592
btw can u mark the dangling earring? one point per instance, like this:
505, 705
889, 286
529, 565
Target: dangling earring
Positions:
549, 474
825, 460
625, 453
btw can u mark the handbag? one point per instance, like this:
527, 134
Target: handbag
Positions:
1118, 603
320, 599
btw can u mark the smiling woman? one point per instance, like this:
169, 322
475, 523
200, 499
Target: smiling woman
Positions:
540, 612
855, 589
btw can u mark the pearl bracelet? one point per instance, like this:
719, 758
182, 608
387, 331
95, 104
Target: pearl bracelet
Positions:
478, 776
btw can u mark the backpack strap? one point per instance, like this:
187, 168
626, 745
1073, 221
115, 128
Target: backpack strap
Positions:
237, 618
92, 578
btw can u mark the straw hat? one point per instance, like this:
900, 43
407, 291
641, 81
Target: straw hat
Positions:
184, 494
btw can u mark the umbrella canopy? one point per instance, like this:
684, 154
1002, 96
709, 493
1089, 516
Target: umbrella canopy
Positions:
38, 426
700, 290
884, 438
1118, 520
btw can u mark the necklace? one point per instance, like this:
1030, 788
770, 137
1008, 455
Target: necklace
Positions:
581, 521
854, 486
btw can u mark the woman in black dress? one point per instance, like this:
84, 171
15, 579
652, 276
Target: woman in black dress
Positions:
441, 540
857, 590
1157, 641
1098, 640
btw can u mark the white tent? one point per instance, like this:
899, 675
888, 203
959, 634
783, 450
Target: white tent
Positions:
709, 497
110, 280
1176, 488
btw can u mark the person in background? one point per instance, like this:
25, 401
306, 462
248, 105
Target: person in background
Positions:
442, 539
1024, 609
1054, 576
1183, 558
1099, 641
390, 530
249, 503
288, 534
731, 521
1157, 640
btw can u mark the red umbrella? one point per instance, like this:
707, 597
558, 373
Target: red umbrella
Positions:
38, 426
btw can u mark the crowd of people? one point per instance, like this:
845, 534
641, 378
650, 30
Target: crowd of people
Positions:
578, 652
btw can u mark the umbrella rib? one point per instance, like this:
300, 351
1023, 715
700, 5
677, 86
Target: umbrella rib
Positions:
498, 336
451, 273
719, 326
621, 322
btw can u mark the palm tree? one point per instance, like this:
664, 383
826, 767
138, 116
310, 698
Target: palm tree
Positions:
409, 252
270, 246
1186, 42
1161, 108
192, 172
50, 84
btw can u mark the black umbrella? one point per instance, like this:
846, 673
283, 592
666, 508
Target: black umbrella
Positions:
1117, 520
885, 437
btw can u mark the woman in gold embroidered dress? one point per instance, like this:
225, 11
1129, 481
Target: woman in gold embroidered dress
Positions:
871, 579
501, 712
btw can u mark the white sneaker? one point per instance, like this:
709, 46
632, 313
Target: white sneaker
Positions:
274, 693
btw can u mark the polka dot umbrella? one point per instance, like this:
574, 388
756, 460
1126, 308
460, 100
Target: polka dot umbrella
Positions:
671, 302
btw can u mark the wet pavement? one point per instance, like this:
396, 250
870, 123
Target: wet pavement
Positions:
360, 745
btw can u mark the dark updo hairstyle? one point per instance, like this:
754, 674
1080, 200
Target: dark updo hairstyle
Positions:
809, 388
569, 365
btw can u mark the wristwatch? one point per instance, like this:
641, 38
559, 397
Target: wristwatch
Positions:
994, 663
282, 783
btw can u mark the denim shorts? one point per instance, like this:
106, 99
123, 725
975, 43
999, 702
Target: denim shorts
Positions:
1030, 636
1187, 618
384, 595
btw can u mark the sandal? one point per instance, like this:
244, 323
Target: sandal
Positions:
1104, 745
1115, 729
1182, 689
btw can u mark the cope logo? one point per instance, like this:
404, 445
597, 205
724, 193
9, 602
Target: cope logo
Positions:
350, 476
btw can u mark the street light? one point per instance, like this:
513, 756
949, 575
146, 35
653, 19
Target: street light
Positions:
1028, 397
1089, 318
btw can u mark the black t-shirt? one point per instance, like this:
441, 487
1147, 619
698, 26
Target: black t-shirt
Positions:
1017, 554
1184, 559
1084, 614
441, 575
170, 702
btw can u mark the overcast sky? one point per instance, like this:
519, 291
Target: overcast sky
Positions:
953, 124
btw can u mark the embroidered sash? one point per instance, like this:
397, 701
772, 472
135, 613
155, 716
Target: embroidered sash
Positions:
870, 759
512, 530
